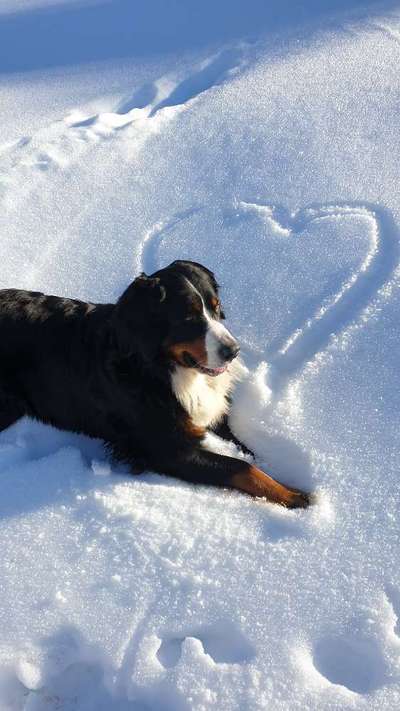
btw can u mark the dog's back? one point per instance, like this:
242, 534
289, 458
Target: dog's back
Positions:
46, 341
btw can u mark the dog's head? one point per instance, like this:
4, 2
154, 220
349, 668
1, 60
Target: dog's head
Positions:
176, 314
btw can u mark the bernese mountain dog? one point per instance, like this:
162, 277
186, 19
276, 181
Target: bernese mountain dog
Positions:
149, 375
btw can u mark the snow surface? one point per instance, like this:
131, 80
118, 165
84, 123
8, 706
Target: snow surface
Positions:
262, 139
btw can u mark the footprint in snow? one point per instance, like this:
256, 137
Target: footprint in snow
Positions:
353, 662
77, 131
212, 73
152, 97
224, 642
393, 598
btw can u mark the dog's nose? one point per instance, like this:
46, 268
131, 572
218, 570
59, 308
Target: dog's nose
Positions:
228, 351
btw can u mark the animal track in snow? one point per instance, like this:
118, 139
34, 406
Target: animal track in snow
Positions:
224, 642
353, 662
152, 97
211, 74
393, 598
80, 680
63, 142
11, 146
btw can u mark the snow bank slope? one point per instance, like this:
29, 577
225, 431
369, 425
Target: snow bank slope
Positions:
276, 163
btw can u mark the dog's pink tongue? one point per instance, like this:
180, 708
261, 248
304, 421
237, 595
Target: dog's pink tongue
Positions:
217, 371
212, 371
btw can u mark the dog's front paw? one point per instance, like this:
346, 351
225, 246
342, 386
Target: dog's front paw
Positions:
297, 499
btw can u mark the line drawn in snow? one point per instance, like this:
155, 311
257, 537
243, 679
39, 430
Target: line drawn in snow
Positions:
146, 260
332, 317
390, 32
354, 295
129, 653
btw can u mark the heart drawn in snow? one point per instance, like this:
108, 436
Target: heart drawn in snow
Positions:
290, 281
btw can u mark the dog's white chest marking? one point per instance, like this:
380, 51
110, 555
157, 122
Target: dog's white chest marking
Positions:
204, 398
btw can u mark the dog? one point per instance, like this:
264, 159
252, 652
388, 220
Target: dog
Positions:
149, 375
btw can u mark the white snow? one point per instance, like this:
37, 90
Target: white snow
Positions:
261, 139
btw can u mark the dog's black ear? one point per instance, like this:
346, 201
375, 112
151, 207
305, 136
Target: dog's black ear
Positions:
149, 288
139, 318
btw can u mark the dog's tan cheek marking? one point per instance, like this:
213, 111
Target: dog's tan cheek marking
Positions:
256, 483
197, 349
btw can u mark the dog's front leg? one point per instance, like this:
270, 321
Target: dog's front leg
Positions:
201, 466
222, 429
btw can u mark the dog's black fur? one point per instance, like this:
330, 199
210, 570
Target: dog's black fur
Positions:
105, 370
